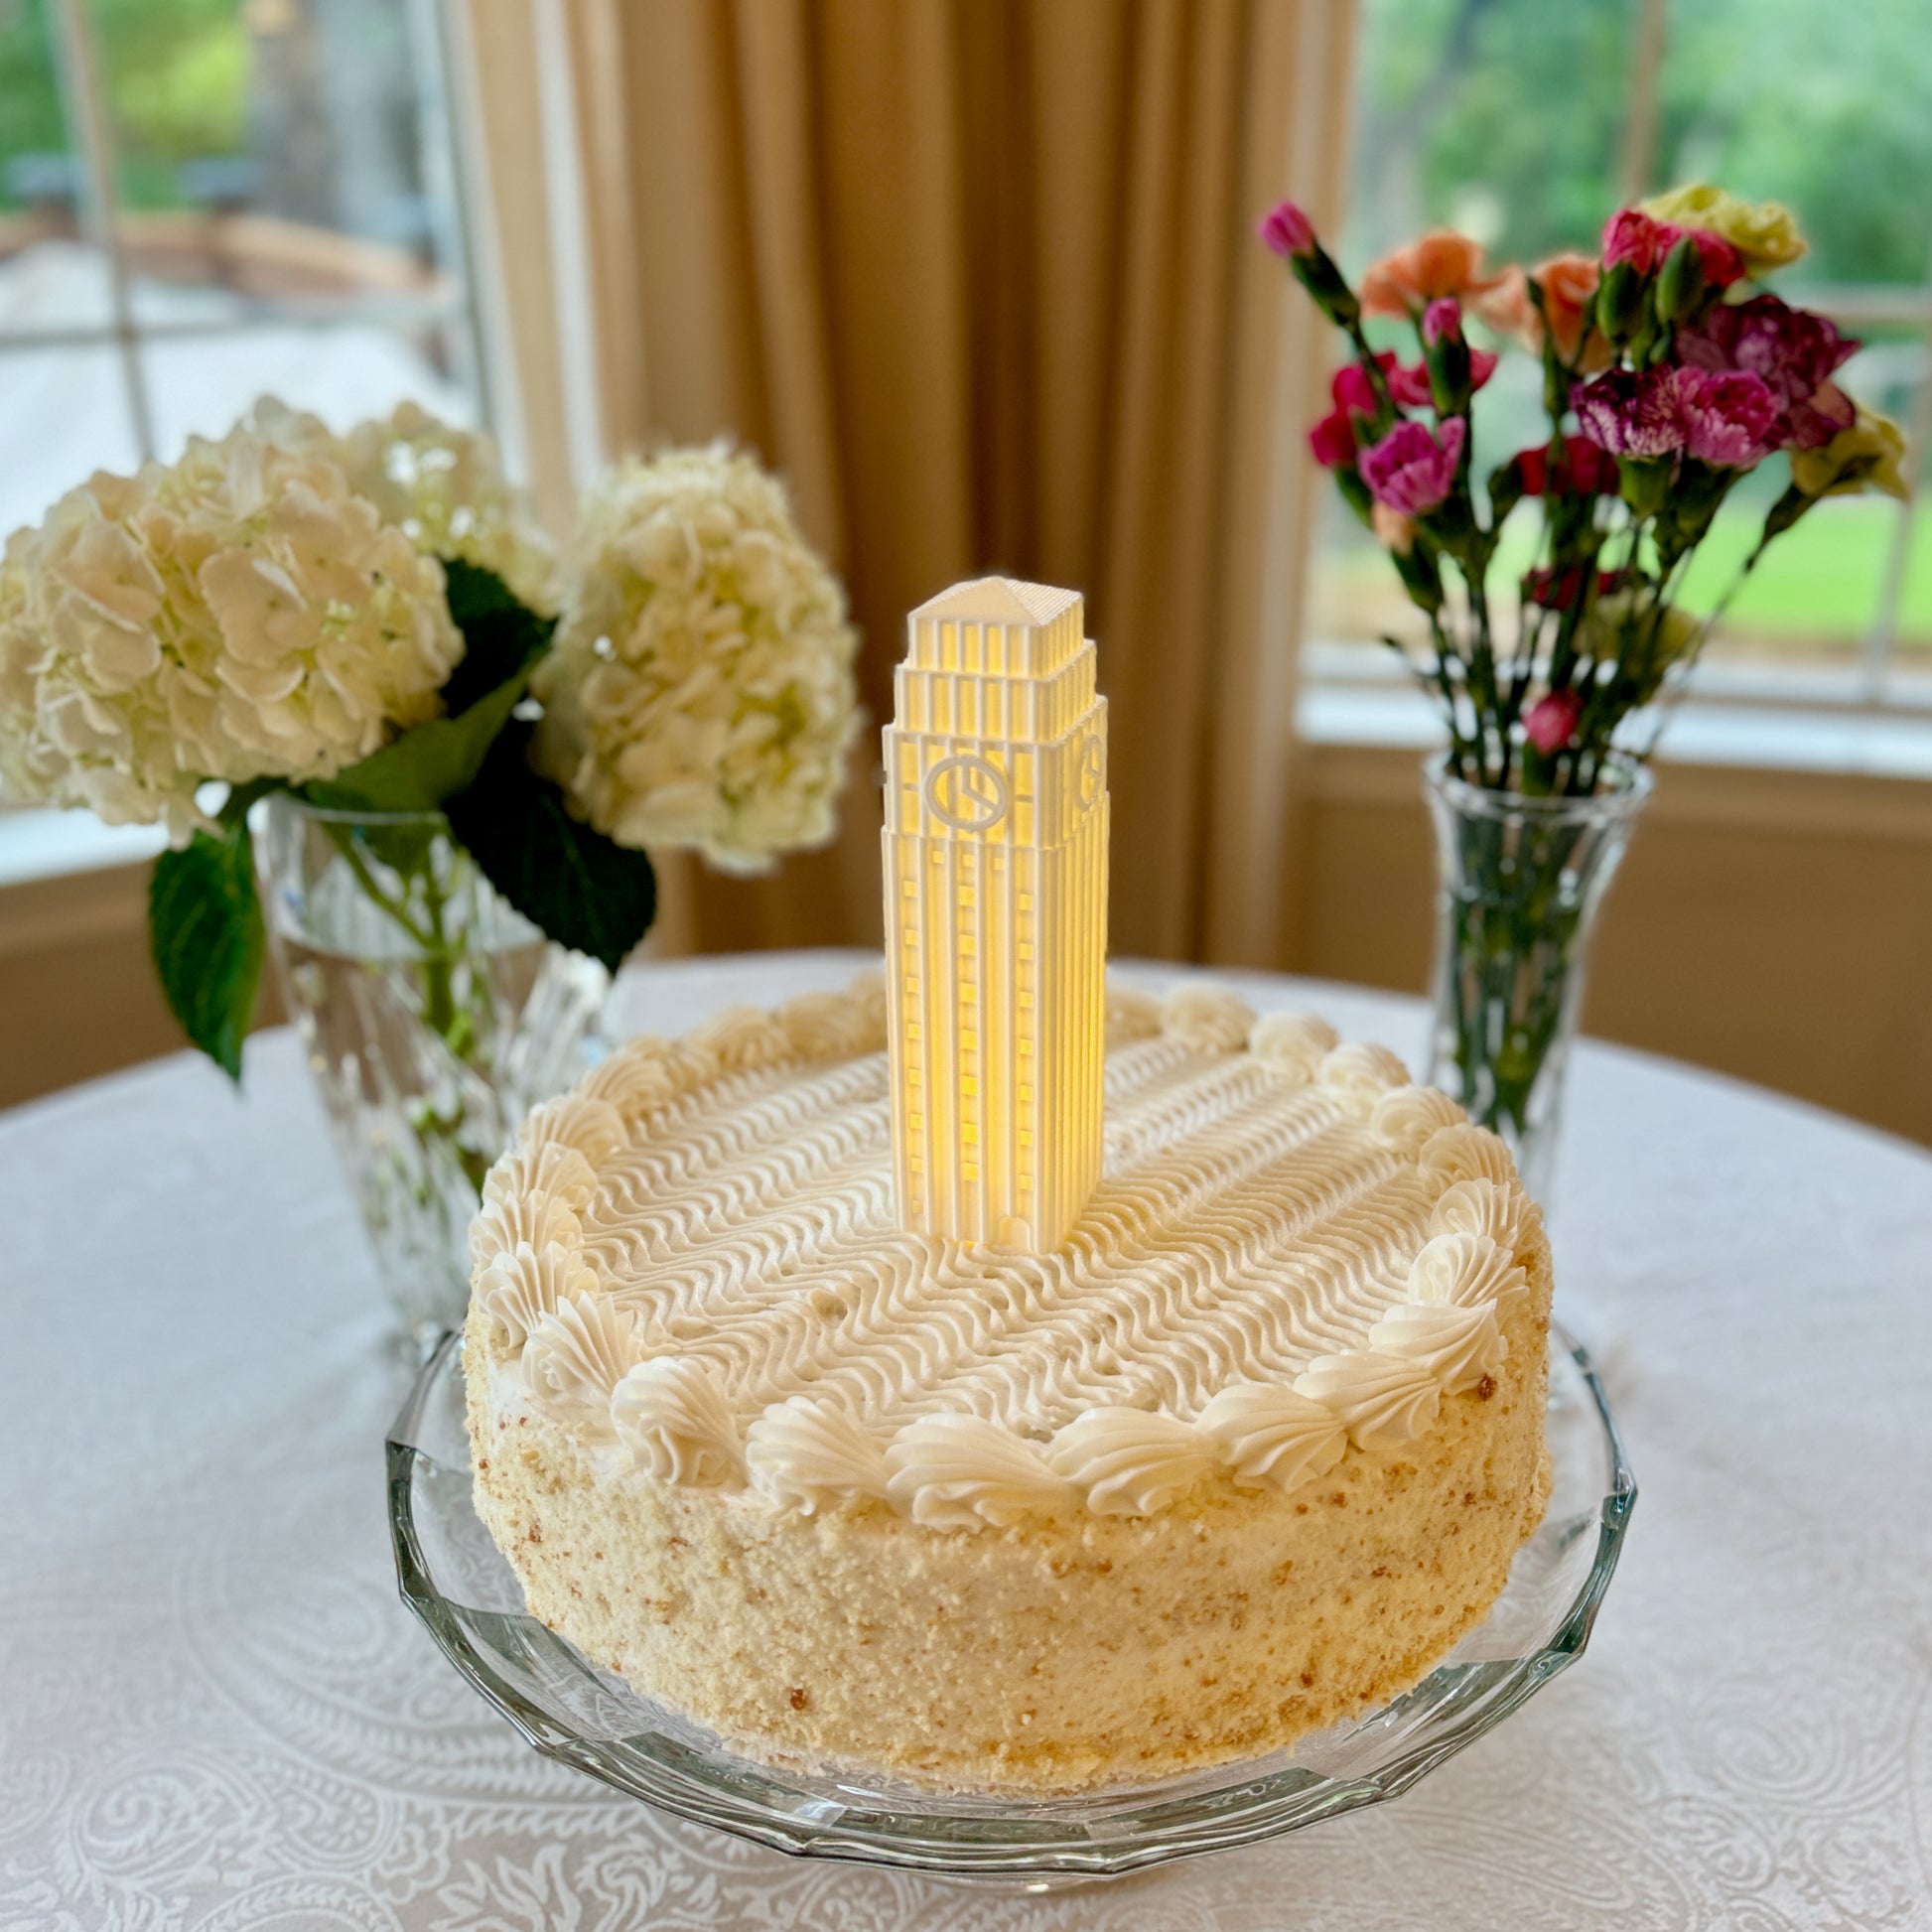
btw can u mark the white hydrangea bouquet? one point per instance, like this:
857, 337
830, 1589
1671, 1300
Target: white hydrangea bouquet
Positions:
375, 623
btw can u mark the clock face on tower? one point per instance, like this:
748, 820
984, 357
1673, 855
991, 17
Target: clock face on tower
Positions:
966, 792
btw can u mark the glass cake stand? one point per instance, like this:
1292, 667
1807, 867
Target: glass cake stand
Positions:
457, 1581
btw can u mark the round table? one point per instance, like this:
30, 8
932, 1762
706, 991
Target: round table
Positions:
215, 1714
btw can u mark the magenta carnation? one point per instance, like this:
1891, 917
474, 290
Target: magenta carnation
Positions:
1631, 414
1287, 231
1411, 470
1731, 421
1332, 440
1791, 350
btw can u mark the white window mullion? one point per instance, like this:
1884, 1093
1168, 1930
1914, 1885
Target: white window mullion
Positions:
1881, 646
88, 113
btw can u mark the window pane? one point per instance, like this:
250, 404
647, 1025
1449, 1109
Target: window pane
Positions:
1816, 104
50, 278
199, 385
271, 151
63, 415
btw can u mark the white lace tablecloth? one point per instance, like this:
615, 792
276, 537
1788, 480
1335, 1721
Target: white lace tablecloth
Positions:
214, 1711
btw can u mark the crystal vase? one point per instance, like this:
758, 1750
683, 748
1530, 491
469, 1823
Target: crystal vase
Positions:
1520, 882
433, 1016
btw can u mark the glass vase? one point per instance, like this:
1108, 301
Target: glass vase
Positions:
433, 1014
1520, 882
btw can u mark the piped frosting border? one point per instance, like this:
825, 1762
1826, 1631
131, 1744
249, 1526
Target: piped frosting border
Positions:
580, 1357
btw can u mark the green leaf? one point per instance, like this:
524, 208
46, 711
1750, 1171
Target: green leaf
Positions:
503, 641
584, 891
501, 637
424, 767
205, 926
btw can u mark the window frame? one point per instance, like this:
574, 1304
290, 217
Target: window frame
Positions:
459, 314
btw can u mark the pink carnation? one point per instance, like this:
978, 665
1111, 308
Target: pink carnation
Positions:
1551, 722
1353, 394
1287, 231
1730, 421
1632, 236
1411, 470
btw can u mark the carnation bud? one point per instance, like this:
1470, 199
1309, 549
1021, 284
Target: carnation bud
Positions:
1551, 722
1443, 317
1619, 302
1680, 282
1287, 231
1645, 482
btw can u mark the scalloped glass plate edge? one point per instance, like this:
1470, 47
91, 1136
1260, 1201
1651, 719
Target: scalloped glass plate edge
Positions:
682, 1770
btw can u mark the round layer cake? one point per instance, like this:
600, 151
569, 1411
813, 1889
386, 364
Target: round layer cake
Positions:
1245, 1457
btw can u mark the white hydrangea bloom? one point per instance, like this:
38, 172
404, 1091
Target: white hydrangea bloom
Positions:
701, 691
240, 615
445, 489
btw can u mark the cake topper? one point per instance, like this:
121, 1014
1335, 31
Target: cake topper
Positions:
996, 915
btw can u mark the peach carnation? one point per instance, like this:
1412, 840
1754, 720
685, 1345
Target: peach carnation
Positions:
1440, 263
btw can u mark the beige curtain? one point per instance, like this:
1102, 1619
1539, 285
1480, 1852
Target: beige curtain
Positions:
978, 277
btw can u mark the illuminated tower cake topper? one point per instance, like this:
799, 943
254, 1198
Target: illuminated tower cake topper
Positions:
996, 915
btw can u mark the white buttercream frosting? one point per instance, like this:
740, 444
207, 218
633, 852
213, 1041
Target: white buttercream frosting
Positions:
808, 1455
1268, 1433
1383, 1400
1464, 1270
954, 1472
1459, 1347
594, 1127
1407, 1117
1466, 1152
1129, 1462
1294, 1044
520, 1284
1486, 1208
581, 1350
669, 1414
1361, 1074
1291, 1247
530, 1220
1208, 1018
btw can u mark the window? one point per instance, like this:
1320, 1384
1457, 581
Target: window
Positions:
1525, 124
204, 201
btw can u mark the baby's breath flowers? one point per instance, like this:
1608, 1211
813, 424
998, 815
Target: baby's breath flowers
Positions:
700, 693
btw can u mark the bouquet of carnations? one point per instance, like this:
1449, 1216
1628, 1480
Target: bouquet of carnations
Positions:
1669, 375
375, 623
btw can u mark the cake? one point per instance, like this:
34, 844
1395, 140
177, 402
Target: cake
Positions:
1245, 1458
992, 1379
